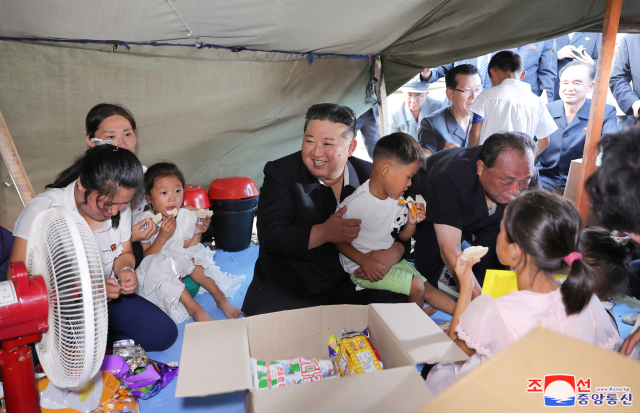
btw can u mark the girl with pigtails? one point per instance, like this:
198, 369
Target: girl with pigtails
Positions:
539, 237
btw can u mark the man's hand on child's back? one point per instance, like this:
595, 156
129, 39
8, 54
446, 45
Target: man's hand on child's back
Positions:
339, 230
373, 269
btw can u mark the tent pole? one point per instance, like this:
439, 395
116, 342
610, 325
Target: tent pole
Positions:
14, 164
382, 92
598, 101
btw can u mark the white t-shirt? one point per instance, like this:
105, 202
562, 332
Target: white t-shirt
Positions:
382, 220
511, 106
109, 239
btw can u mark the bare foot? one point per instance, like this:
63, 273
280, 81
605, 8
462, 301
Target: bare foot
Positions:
228, 309
429, 310
201, 315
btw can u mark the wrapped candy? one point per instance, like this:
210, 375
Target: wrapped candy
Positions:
280, 373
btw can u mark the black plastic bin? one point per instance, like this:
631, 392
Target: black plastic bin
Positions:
232, 223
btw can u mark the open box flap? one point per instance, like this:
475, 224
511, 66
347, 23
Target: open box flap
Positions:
500, 384
423, 340
396, 390
215, 359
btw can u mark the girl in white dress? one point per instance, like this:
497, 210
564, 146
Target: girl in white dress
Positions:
169, 254
539, 236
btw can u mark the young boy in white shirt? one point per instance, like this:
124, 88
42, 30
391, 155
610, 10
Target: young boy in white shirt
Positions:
510, 105
396, 159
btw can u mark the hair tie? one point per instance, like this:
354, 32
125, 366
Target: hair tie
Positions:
569, 259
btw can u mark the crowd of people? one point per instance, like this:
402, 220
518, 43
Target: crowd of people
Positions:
490, 163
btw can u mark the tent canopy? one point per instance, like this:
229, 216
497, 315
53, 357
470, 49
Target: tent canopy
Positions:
221, 87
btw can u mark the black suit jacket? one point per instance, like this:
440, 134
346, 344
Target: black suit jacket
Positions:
287, 274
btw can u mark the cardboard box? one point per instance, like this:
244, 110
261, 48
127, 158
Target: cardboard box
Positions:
508, 382
215, 358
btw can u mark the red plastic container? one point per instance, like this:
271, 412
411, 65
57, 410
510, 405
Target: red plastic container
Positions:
233, 188
196, 197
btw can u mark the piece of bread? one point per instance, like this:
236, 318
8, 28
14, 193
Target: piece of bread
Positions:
203, 213
157, 218
173, 212
475, 252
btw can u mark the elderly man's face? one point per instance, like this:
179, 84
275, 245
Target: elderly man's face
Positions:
471, 86
510, 175
575, 84
324, 150
415, 100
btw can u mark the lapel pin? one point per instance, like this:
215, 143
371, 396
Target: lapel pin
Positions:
534, 47
585, 128
587, 38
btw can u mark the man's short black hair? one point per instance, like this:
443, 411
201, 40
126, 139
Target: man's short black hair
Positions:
507, 61
614, 188
591, 69
333, 113
399, 147
450, 79
500, 142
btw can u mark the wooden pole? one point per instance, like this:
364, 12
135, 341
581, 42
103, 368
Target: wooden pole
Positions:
14, 164
598, 102
382, 93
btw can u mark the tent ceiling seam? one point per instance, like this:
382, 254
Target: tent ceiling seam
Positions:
191, 34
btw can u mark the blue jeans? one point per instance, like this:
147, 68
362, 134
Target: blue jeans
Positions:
133, 317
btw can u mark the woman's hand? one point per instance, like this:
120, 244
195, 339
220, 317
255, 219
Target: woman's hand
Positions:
202, 225
113, 288
630, 342
129, 280
463, 270
138, 235
168, 227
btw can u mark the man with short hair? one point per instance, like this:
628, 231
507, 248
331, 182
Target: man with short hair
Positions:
298, 265
466, 192
449, 127
577, 46
510, 105
408, 116
615, 194
624, 74
539, 68
571, 114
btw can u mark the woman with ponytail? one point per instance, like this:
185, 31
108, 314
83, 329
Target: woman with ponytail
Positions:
539, 237
99, 187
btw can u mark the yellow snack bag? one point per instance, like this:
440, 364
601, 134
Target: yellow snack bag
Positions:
357, 356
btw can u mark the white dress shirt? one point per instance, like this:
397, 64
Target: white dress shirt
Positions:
511, 106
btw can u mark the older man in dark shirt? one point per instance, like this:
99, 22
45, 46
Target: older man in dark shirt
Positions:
298, 265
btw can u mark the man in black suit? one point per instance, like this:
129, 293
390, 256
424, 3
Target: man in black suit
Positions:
298, 265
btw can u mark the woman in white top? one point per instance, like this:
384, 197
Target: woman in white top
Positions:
108, 123
99, 186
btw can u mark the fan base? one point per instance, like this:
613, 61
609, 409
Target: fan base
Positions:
16, 362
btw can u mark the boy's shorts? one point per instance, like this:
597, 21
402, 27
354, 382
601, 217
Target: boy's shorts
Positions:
397, 280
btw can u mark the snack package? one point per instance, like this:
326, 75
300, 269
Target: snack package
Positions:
355, 354
122, 401
145, 382
280, 373
84, 400
412, 205
133, 354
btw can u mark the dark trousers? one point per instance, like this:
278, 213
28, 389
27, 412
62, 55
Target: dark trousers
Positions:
430, 264
133, 317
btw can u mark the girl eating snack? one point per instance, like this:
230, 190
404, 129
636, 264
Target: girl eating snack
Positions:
169, 254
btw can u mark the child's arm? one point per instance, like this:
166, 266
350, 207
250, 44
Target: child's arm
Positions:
202, 228
466, 280
167, 228
372, 268
410, 228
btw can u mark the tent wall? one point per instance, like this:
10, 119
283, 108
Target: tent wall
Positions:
212, 112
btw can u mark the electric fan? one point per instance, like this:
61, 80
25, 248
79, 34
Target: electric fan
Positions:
62, 250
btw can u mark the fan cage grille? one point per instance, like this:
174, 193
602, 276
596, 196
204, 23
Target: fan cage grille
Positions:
62, 350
